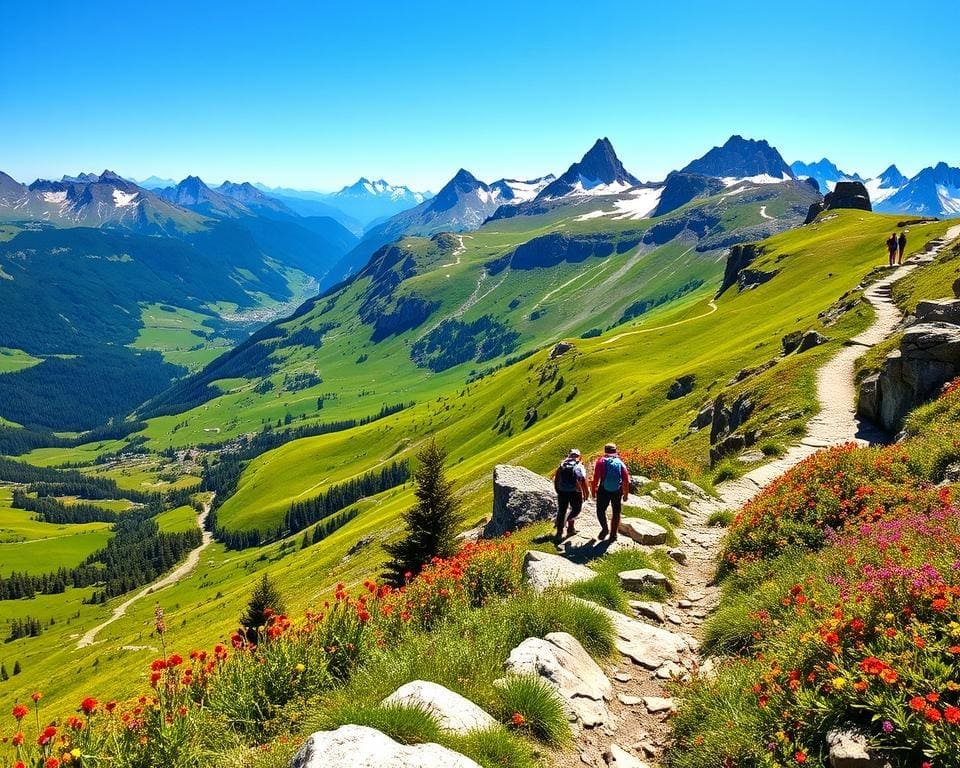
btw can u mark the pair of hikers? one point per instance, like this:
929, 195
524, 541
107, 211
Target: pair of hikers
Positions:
896, 246
610, 486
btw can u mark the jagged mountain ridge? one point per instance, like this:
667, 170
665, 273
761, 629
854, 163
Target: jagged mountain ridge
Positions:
741, 158
935, 191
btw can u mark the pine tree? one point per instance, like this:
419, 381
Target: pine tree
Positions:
4, 675
265, 596
431, 526
16, 668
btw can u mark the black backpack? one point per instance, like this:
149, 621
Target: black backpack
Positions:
567, 476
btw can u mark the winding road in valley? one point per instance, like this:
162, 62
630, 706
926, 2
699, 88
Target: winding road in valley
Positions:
178, 573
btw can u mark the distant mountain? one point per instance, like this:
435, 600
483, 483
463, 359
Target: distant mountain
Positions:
366, 201
194, 194
463, 204
155, 182
311, 204
932, 192
885, 185
742, 158
89, 200
254, 200
824, 172
599, 172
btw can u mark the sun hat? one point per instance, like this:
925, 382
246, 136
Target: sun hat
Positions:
574, 452
610, 448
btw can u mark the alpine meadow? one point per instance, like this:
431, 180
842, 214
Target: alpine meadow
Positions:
504, 390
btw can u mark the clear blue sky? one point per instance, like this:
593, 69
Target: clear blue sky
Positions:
315, 94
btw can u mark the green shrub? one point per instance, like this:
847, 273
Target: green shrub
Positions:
529, 704
539, 615
728, 469
721, 518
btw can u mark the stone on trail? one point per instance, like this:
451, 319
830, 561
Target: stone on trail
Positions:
360, 747
452, 711
642, 531
694, 490
618, 757
656, 704
559, 659
678, 555
645, 644
520, 497
649, 610
544, 571
642, 577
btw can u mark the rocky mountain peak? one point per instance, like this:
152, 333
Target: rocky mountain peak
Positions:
741, 158
598, 168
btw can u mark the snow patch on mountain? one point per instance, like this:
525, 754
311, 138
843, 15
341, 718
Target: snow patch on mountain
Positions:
124, 199
640, 204
54, 197
878, 193
763, 178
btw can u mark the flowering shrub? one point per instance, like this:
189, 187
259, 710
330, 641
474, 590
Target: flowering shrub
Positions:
660, 465
245, 687
820, 495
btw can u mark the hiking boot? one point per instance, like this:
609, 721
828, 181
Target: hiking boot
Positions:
603, 533
571, 531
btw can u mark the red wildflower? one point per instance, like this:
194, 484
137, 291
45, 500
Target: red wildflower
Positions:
20, 711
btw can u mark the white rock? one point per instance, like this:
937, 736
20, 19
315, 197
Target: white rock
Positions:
666, 487
618, 757
544, 571
629, 701
642, 577
848, 749
655, 704
694, 490
452, 711
355, 746
646, 645
562, 661
642, 531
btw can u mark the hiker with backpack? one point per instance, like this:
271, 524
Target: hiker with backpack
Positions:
902, 243
570, 482
610, 487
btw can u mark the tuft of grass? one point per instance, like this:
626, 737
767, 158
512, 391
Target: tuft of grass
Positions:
552, 612
721, 518
772, 448
402, 723
538, 705
494, 748
603, 589
729, 469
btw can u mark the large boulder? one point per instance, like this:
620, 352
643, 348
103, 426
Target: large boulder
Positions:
846, 194
357, 746
561, 661
544, 571
452, 711
682, 386
520, 497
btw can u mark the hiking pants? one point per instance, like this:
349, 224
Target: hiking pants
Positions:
614, 500
568, 499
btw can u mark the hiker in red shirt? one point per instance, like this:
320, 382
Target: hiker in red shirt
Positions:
610, 486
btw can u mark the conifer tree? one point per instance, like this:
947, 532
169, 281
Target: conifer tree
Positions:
265, 596
431, 525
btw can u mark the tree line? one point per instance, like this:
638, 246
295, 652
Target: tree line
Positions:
303, 514
51, 510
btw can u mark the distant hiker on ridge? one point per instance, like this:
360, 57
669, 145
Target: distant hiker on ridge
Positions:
902, 242
610, 486
570, 482
893, 247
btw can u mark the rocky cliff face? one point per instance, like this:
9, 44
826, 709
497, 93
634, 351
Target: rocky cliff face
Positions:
929, 356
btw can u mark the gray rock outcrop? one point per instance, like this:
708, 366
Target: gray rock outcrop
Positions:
929, 357
453, 712
360, 747
682, 386
848, 749
727, 419
846, 194
520, 497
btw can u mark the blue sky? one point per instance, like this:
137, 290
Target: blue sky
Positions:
315, 94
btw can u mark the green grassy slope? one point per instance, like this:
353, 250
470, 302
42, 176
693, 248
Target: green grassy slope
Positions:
621, 382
